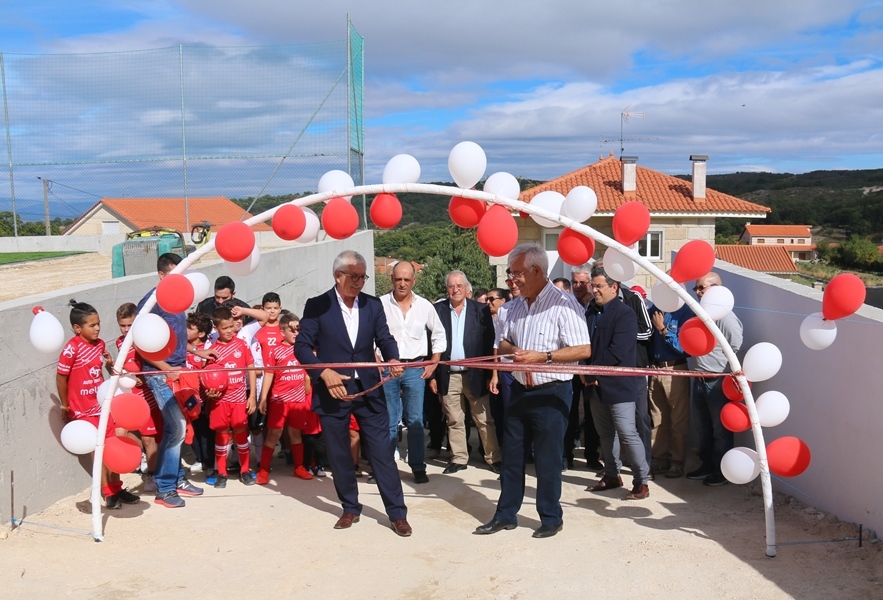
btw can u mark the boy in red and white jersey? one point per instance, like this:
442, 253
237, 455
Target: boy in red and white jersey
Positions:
77, 378
199, 326
230, 410
288, 391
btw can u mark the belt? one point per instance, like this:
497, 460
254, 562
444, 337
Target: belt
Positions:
542, 386
458, 369
418, 359
670, 363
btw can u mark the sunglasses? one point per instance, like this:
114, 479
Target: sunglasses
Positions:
492, 298
702, 288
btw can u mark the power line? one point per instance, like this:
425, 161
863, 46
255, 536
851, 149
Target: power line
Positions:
51, 182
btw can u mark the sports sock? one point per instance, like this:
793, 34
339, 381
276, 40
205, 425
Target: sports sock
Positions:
242, 448
115, 486
297, 451
107, 490
266, 457
222, 440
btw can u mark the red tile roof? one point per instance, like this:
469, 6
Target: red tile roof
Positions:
145, 213
659, 192
766, 259
778, 230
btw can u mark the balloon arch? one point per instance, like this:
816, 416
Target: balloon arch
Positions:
497, 233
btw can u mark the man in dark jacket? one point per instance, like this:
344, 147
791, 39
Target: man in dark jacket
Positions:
613, 330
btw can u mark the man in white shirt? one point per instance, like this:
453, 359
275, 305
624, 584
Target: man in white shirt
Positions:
410, 317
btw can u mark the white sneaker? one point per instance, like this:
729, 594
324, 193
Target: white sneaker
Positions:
196, 467
143, 466
148, 483
397, 454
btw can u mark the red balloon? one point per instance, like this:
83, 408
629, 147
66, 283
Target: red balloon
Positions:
630, 223
843, 296
788, 456
466, 213
129, 411
131, 367
289, 222
575, 248
163, 354
497, 232
174, 293
695, 338
340, 219
523, 214
734, 416
386, 211
121, 454
235, 241
692, 261
732, 390
215, 379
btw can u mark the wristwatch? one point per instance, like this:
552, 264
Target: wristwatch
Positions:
548, 357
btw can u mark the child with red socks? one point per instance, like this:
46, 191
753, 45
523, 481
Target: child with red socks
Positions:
77, 378
289, 392
230, 409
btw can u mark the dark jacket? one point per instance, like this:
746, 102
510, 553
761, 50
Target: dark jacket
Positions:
322, 328
478, 340
613, 329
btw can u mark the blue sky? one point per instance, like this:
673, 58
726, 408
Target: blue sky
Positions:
757, 85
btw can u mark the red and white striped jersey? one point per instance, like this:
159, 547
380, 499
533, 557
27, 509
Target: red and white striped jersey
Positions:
288, 384
82, 363
234, 354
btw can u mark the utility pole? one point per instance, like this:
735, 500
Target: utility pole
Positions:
46, 205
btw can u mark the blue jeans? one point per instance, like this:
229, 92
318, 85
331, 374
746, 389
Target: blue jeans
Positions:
169, 472
715, 440
618, 421
404, 401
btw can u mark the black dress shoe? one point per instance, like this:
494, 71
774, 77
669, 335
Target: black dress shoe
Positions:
493, 527
497, 467
420, 477
453, 468
545, 531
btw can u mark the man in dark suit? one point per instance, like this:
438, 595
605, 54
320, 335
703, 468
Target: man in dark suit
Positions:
613, 329
343, 325
469, 328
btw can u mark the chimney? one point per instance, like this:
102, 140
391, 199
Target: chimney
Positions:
699, 161
629, 175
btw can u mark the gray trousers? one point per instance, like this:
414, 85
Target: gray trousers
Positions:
618, 420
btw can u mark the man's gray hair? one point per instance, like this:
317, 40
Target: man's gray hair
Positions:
534, 256
585, 268
461, 274
347, 258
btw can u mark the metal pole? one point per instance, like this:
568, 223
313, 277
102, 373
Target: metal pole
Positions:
46, 205
183, 138
8, 146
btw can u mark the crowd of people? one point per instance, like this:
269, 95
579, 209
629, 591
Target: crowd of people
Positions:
302, 382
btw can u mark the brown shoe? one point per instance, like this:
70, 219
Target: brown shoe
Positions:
401, 527
346, 520
607, 483
639, 492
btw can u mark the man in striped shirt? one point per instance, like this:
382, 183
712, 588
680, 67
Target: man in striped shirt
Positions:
543, 325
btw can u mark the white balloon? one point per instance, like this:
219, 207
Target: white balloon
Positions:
740, 465
312, 228
665, 298
334, 181
79, 437
503, 185
127, 382
401, 168
816, 333
200, 283
580, 203
550, 201
467, 163
101, 394
150, 332
246, 267
618, 266
772, 408
762, 361
46, 333
718, 302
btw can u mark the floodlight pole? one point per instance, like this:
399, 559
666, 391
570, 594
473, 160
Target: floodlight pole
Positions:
8, 145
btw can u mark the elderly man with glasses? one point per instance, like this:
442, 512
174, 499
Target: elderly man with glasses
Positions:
708, 398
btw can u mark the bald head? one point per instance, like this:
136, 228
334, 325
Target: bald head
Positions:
706, 281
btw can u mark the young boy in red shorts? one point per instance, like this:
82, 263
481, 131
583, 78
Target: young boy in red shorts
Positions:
152, 430
77, 379
230, 410
288, 391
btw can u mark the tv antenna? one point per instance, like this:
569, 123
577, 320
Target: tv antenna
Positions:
624, 117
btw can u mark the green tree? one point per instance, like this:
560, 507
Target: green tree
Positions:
857, 252
455, 252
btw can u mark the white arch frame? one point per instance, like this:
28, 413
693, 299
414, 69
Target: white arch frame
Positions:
422, 188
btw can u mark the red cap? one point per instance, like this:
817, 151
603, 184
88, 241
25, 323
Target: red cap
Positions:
639, 290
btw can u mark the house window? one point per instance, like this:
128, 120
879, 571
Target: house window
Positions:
792, 240
550, 241
780, 241
651, 246
110, 228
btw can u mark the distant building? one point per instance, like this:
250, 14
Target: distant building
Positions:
796, 239
773, 259
680, 211
116, 216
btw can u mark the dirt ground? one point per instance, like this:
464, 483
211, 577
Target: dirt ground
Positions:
685, 541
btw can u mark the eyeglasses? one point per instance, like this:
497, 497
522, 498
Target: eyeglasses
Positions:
598, 286
702, 288
455, 286
492, 298
354, 278
576, 283
515, 275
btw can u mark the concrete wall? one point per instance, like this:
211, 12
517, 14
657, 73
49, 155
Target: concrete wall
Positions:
30, 421
834, 393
